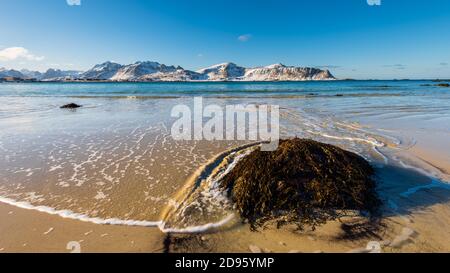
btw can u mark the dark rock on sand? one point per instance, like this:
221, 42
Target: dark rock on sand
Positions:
303, 182
70, 106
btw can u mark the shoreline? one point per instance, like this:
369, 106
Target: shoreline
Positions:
47, 235
123, 164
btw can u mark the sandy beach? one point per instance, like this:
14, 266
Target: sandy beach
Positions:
227, 128
120, 183
31, 231
35, 232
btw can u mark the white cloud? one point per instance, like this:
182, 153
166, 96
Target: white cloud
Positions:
74, 2
14, 53
245, 37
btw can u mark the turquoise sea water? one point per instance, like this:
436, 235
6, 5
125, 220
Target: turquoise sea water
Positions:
220, 89
333, 96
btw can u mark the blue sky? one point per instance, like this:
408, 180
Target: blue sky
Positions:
398, 39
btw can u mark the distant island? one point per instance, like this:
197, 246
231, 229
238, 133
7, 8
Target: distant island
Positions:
156, 72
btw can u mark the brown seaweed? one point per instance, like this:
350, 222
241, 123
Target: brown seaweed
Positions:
303, 182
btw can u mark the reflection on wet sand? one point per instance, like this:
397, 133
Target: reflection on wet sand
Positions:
114, 162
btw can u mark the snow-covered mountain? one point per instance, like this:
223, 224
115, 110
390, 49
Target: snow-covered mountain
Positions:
154, 71
4, 73
104, 71
275, 72
180, 75
280, 72
222, 72
49, 75
31, 74
59, 75
140, 69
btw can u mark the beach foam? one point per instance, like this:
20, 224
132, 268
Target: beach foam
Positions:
67, 214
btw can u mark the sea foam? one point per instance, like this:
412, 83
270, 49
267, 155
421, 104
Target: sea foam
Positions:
68, 214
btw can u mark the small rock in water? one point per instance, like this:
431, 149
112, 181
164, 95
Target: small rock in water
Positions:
254, 249
70, 106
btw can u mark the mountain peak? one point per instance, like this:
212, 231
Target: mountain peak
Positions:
103, 71
147, 63
222, 72
154, 71
220, 65
109, 62
277, 65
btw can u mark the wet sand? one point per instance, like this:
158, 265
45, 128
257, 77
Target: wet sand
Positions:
123, 165
433, 148
415, 224
403, 229
36, 232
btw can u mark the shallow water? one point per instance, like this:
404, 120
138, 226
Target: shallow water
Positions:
115, 158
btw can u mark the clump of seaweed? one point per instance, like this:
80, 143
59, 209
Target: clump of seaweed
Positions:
303, 182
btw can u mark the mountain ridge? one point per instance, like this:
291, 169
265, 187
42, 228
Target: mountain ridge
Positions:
150, 71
